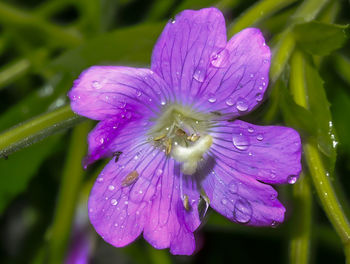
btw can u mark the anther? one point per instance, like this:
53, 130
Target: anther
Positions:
186, 202
167, 146
130, 178
179, 132
193, 137
117, 155
159, 137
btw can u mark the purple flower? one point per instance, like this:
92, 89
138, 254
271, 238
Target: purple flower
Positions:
176, 150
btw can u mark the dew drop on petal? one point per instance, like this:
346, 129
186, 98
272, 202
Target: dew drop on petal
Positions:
138, 93
292, 179
199, 75
275, 224
250, 129
102, 140
232, 187
211, 98
159, 172
224, 201
230, 102
240, 141
260, 137
242, 104
259, 97
96, 85
114, 202
242, 211
220, 59
111, 187
100, 180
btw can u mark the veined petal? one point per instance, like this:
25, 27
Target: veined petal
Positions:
183, 52
171, 224
238, 82
113, 135
142, 192
241, 198
104, 92
271, 154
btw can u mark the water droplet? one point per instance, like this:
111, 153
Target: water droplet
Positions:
138, 93
220, 59
243, 211
240, 141
114, 202
163, 103
126, 202
265, 61
259, 97
250, 129
251, 75
159, 172
292, 179
116, 224
102, 140
211, 98
232, 187
260, 137
242, 105
275, 224
224, 201
122, 104
260, 88
230, 101
111, 187
173, 21
100, 179
96, 85
199, 75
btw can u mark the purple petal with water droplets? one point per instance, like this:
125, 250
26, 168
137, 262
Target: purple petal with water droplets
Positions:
104, 92
271, 154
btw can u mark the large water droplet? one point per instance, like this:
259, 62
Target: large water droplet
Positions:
211, 98
292, 179
260, 137
220, 59
232, 187
250, 129
240, 141
199, 75
242, 104
243, 211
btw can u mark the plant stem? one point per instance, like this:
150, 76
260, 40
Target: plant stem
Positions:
301, 235
37, 129
319, 175
68, 194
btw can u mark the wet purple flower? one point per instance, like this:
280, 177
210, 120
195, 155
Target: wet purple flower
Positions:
175, 150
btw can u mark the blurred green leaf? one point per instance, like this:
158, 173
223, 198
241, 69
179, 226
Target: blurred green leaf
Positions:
130, 46
18, 170
319, 38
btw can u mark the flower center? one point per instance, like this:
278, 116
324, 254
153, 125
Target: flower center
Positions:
183, 134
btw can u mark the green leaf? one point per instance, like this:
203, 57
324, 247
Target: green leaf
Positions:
319, 38
130, 46
21, 167
320, 108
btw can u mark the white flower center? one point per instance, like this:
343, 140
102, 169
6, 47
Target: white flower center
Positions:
182, 133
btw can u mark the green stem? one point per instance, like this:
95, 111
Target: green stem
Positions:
321, 180
37, 129
257, 13
301, 234
68, 195
13, 71
57, 35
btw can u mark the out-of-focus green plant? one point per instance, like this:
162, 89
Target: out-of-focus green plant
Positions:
44, 45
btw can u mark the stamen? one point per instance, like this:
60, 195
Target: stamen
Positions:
179, 132
186, 202
159, 137
130, 178
193, 137
167, 146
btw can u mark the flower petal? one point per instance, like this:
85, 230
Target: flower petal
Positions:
171, 225
237, 83
183, 51
104, 92
122, 204
241, 198
113, 135
271, 154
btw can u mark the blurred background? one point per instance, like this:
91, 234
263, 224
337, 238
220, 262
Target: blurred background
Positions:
45, 44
